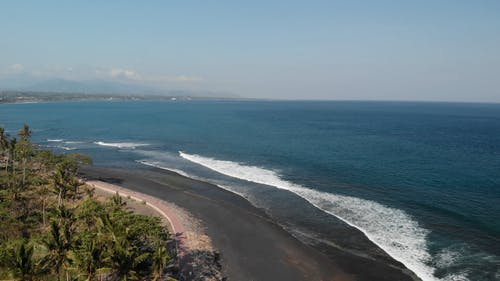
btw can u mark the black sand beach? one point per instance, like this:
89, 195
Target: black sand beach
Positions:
252, 246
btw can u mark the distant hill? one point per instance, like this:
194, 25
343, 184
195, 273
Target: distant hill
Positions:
98, 87
10, 96
89, 87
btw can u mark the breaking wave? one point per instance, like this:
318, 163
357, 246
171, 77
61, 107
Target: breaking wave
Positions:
159, 166
391, 229
62, 147
73, 142
130, 145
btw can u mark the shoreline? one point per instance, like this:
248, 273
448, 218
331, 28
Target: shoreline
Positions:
252, 245
195, 253
154, 203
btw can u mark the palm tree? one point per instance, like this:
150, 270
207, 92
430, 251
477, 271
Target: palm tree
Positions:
4, 142
59, 179
125, 253
65, 216
21, 262
58, 242
126, 259
25, 148
11, 153
89, 256
13, 188
65, 178
25, 133
117, 202
43, 192
63, 181
161, 258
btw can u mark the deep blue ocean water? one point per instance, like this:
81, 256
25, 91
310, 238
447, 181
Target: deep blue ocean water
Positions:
421, 180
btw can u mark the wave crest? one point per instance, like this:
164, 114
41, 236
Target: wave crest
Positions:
130, 145
391, 229
159, 166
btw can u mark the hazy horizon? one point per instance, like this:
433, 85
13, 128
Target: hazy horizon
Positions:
308, 50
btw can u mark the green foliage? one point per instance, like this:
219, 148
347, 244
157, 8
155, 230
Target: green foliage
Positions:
51, 231
89, 254
18, 256
58, 243
4, 141
161, 259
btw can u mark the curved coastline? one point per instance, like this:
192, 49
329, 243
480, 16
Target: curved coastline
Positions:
414, 247
156, 204
195, 255
252, 246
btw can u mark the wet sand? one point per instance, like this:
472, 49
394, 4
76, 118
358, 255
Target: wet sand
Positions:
252, 246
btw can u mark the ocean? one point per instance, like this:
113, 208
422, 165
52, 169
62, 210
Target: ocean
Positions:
421, 180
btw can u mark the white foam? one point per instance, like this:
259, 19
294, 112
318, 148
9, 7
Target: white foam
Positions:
62, 147
54, 140
446, 257
158, 165
130, 145
182, 173
73, 142
391, 229
66, 148
457, 277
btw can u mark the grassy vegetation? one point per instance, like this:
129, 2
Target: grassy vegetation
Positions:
52, 227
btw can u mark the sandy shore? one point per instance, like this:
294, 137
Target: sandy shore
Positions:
251, 245
189, 237
161, 207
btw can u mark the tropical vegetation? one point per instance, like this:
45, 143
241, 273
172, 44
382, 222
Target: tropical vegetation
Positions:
53, 227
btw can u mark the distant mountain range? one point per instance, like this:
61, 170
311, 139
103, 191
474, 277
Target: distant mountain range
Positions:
89, 87
95, 87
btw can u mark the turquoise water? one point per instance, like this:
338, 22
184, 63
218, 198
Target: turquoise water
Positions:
421, 180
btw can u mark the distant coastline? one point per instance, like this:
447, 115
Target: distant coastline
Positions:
25, 96
37, 97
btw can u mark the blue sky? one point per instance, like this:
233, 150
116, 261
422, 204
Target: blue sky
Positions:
383, 50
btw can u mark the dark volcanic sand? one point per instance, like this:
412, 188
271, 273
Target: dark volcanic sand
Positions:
252, 246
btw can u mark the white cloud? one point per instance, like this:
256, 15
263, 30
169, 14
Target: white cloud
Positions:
13, 69
177, 79
16, 68
124, 73
184, 78
130, 74
104, 73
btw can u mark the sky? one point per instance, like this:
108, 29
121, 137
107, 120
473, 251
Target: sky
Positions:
440, 50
